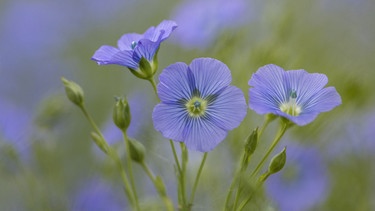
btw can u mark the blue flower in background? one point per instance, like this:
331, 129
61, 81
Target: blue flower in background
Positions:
198, 105
296, 94
303, 182
200, 22
133, 47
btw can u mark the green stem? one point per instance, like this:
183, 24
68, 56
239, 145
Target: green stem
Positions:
161, 189
152, 81
130, 169
197, 179
175, 155
113, 155
258, 185
184, 160
278, 136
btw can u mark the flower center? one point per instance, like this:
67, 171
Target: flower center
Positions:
291, 107
196, 107
134, 43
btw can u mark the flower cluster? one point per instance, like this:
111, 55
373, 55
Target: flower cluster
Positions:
198, 107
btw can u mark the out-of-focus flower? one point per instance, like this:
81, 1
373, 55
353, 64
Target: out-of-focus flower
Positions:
15, 127
200, 21
98, 195
303, 182
296, 94
133, 48
198, 105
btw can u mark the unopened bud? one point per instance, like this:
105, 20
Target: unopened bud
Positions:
73, 91
121, 114
137, 150
251, 142
277, 162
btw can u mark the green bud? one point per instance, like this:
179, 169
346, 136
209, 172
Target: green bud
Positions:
121, 114
73, 91
100, 142
137, 151
251, 142
277, 162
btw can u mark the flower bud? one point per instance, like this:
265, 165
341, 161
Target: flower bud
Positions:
137, 151
73, 91
277, 162
100, 142
121, 114
251, 142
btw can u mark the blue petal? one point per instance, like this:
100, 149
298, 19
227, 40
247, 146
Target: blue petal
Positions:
325, 100
268, 90
126, 41
202, 135
210, 75
305, 84
174, 83
229, 109
170, 120
109, 55
160, 32
145, 48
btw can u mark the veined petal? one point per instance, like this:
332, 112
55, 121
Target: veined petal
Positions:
202, 135
109, 55
126, 41
170, 120
174, 83
104, 54
269, 81
160, 32
145, 48
228, 109
167, 26
324, 100
304, 84
210, 75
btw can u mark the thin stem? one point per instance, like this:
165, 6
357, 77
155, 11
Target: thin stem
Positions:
197, 178
130, 169
278, 136
161, 190
152, 81
184, 157
258, 185
113, 155
175, 155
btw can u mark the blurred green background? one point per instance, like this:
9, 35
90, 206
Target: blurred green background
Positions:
48, 160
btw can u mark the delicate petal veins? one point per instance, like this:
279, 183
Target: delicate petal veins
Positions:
167, 26
202, 134
325, 100
146, 49
170, 120
110, 55
210, 75
174, 83
304, 84
269, 90
229, 108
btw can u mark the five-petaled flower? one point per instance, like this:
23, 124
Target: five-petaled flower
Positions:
198, 106
296, 94
138, 52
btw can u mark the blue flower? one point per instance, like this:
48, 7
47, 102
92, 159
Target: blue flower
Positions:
198, 105
296, 94
137, 51
303, 182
